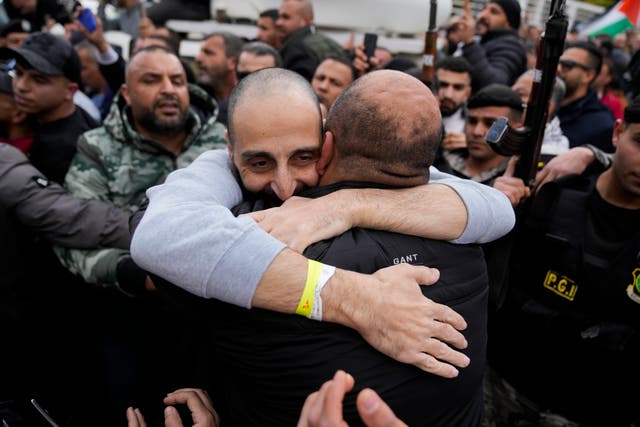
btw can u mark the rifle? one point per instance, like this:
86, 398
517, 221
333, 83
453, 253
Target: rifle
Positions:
527, 140
429, 53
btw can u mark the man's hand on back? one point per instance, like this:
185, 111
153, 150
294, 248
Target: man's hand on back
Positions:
389, 310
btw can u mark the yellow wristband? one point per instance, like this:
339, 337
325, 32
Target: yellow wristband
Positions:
308, 294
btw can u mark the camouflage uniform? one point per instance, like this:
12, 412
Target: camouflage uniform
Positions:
117, 164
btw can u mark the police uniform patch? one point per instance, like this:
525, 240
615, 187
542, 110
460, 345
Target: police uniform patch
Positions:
633, 290
561, 285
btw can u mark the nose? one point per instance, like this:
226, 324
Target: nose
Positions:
167, 85
480, 129
283, 185
448, 92
323, 84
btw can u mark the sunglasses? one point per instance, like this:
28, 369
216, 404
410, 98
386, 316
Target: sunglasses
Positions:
568, 65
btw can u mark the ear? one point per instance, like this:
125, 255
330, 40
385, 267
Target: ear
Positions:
232, 63
124, 91
71, 90
618, 128
326, 153
590, 77
229, 146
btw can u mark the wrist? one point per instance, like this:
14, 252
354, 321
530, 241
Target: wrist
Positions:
350, 203
103, 46
340, 298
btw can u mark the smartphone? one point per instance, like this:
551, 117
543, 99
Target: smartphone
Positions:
87, 20
370, 42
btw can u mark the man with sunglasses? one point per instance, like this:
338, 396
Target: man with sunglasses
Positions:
583, 118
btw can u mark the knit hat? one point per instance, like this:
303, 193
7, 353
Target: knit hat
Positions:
511, 8
496, 95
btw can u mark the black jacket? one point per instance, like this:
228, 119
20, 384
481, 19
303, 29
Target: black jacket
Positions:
587, 121
267, 362
305, 49
500, 57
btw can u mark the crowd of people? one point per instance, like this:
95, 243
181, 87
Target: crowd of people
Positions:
286, 231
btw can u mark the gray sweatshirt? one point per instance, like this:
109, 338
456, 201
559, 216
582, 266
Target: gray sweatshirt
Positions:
189, 237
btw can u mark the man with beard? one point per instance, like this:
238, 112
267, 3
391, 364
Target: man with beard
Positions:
499, 56
453, 80
583, 118
217, 64
152, 129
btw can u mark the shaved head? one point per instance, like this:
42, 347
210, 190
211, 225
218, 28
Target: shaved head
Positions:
387, 128
141, 58
282, 86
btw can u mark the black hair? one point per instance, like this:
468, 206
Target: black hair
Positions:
595, 55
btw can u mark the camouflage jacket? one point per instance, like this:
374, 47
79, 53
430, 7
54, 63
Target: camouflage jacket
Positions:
115, 163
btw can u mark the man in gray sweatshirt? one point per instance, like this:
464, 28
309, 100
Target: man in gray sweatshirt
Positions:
189, 237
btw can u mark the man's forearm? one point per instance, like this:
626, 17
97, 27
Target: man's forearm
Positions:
433, 211
459, 210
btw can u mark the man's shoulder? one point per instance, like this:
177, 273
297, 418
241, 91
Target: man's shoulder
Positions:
99, 138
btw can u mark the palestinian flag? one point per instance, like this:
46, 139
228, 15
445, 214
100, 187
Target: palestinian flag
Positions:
618, 18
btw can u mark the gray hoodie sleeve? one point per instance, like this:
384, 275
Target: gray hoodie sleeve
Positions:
48, 209
489, 212
189, 236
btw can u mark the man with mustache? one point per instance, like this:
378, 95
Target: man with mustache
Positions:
491, 43
157, 123
453, 89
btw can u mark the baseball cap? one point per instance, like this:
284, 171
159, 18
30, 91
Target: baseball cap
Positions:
49, 54
15, 26
5, 83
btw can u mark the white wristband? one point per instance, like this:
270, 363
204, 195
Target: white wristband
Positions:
325, 274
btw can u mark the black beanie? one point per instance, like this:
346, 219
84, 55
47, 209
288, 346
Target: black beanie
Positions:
511, 8
496, 95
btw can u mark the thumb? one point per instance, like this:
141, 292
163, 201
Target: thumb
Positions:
171, 417
511, 167
374, 411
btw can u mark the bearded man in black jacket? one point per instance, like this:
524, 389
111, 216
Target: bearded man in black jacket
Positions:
491, 43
